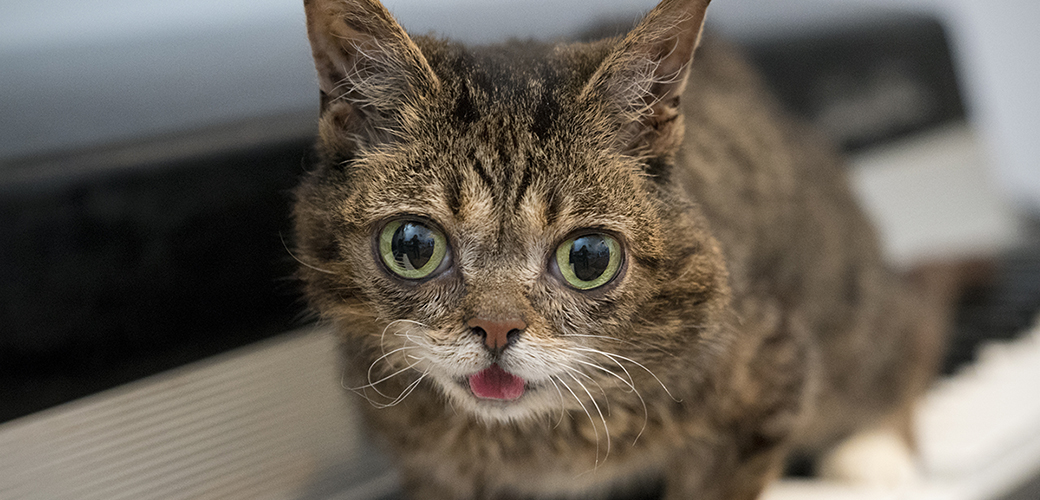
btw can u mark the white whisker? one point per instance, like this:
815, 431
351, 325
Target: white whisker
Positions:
595, 405
623, 341
595, 430
596, 337
372, 384
382, 335
631, 385
634, 362
601, 389
563, 409
297, 259
413, 360
405, 393
631, 381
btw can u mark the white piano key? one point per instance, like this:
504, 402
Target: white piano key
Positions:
985, 412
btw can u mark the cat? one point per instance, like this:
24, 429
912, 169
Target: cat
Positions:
573, 270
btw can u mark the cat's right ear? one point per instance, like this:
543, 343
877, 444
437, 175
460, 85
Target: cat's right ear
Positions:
643, 77
370, 72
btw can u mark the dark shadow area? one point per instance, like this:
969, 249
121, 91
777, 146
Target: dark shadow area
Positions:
863, 83
126, 261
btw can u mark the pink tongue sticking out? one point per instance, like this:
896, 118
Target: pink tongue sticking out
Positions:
496, 383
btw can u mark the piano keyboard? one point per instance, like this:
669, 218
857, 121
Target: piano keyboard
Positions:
270, 422
979, 433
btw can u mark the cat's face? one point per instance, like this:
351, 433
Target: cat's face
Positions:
489, 235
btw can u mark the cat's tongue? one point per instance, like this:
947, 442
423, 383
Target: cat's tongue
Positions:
496, 383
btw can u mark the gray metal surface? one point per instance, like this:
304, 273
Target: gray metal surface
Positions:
266, 422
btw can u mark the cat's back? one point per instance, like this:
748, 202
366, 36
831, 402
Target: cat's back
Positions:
800, 251
775, 194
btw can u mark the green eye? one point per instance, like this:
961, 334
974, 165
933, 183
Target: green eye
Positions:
589, 261
411, 249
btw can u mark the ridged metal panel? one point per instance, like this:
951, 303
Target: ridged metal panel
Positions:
266, 422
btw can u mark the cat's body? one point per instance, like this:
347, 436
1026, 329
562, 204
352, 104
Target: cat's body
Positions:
742, 311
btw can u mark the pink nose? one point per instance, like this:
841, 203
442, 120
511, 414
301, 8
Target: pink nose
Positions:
497, 334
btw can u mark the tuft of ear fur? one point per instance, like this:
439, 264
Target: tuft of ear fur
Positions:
642, 78
371, 74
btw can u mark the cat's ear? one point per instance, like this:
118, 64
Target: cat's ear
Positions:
371, 74
642, 78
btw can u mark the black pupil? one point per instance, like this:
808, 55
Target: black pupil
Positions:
590, 256
412, 245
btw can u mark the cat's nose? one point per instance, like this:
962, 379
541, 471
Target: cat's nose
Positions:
497, 333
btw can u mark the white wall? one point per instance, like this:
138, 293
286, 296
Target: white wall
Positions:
997, 52
998, 48
77, 73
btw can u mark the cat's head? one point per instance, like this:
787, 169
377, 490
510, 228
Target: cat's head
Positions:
500, 222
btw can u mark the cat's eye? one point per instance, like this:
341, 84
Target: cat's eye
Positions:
589, 261
412, 249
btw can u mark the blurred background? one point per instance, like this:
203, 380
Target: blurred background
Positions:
148, 150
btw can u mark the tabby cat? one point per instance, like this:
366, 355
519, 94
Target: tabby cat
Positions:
568, 271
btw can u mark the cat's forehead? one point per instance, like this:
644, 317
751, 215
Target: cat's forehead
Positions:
501, 151
527, 86
510, 73
512, 111
498, 172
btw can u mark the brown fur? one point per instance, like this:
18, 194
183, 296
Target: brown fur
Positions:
753, 315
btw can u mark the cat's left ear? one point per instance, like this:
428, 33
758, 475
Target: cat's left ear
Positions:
642, 78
